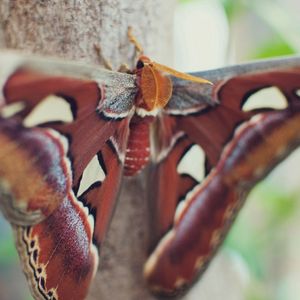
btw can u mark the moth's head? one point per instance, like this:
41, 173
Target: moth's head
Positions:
155, 89
142, 61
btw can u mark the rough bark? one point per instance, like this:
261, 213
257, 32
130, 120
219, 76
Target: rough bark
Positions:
69, 29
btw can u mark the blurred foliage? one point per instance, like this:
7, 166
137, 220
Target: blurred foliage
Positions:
274, 46
283, 25
252, 236
233, 8
8, 253
9, 267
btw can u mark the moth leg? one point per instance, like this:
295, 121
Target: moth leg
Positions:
137, 46
106, 63
124, 68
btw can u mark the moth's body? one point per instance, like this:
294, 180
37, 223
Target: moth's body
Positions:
138, 147
66, 221
154, 92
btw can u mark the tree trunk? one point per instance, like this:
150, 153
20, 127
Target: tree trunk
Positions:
70, 29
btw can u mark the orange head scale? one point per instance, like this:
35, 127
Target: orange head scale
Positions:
155, 87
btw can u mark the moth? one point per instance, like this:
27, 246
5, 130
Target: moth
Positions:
122, 122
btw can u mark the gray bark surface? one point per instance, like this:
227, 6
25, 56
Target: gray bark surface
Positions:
69, 29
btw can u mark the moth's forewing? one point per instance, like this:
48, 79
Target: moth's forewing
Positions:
241, 146
60, 254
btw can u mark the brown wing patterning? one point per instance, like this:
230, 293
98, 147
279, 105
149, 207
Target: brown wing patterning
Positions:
42, 170
241, 148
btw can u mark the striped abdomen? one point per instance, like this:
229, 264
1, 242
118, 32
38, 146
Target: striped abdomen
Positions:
138, 147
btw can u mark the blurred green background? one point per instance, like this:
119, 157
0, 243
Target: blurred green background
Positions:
265, 238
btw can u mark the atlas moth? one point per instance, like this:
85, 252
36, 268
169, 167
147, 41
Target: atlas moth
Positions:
60, 223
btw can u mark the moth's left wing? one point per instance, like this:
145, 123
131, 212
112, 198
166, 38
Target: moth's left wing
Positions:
240, 145
45, 165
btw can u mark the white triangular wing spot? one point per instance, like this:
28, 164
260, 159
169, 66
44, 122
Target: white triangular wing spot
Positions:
93, 173
52, 108
10, 110
297, 92
270, 97
193, 163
